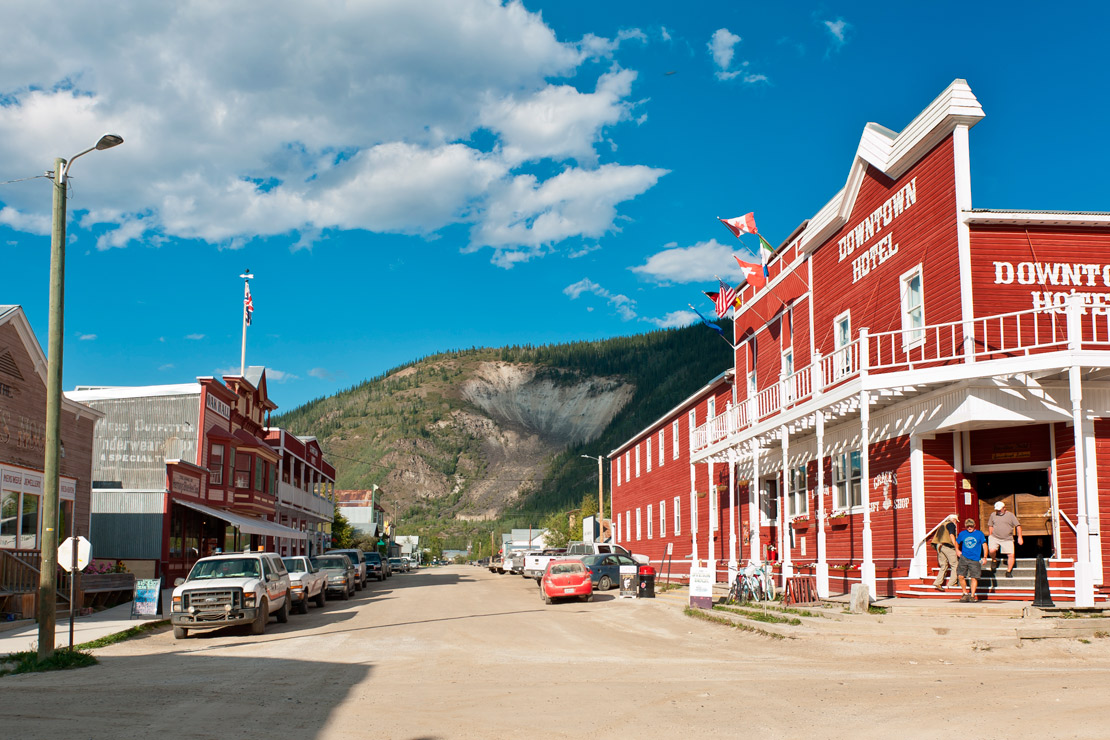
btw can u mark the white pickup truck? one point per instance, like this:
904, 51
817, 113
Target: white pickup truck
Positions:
306, 583
535, 563
578, 549
236, 588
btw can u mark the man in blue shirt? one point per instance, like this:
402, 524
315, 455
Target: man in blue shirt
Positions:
972, 544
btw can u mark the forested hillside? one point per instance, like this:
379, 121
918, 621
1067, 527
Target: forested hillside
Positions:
465, 441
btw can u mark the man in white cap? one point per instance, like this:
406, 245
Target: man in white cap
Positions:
1001, 528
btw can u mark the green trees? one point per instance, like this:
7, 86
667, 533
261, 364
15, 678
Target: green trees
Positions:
342, 533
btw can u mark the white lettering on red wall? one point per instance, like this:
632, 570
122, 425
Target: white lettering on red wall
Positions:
1070, 275
880, 218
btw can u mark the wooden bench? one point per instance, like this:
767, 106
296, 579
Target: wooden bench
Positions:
105, 588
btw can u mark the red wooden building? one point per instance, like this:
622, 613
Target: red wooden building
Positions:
912, 357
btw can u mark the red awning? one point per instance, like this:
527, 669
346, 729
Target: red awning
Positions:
247, 439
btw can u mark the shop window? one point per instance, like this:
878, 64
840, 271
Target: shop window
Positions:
29, 523
712, 506
242, 471
176, 540
9, 519
216, 466
846, 481
259, 474
677, 515
913, 309
797, 502
769, 502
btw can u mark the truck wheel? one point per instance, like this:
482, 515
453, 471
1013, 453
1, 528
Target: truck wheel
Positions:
321, 598
358, 585
346, 592
180, 633
302, 608
258, 626
283, 613
604, 584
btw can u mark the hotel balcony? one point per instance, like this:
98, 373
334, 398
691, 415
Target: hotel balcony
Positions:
308, 502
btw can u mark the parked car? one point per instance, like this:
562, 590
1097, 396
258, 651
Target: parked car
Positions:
605, 570
234, 588
387, 568
340, 571
409, 567
566, 579
306, 583
535, 563
397, 565
355, 555
374, 566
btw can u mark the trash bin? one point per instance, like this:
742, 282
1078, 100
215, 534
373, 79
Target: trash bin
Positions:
647, 582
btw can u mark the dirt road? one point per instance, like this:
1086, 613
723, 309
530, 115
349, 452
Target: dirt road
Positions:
459, 652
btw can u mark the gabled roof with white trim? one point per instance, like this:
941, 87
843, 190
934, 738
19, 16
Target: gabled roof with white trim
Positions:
894, 154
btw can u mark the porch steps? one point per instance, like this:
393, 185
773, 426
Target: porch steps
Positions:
995, 586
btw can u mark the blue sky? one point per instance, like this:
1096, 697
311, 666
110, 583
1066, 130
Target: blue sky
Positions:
409, 177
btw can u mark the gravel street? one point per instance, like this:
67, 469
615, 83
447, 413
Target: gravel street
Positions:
458, 652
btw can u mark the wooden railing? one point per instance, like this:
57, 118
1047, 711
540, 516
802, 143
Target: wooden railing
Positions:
1068, 327
19, 573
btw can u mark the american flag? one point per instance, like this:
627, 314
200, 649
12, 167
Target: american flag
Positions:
248, 304
726, 296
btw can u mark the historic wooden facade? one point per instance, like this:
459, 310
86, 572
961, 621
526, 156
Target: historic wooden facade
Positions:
912, 357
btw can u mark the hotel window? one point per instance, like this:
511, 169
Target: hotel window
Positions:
712, 506
617, 475
797, 503
711, 409
846, 480
216, 466
242, 471
637, 452
788, 373
637, 523
693, 423
649, 517
662, 444
648, 453
769, 501
674, 439
677, 514
913, 309
628, 525
662, 519
842, 334
627, 468
752, 356
617, 529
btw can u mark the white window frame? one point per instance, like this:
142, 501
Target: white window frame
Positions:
674, 439
798, 492
712, 506
677, 515
628, 525
913, 329
617, 477
649, 520
662, 445
638, 530
647, 451
662, 518
616, 529
636, 452
693, 418
789, 380
752, 357
710, 409
844, 482
842, 338
627, 467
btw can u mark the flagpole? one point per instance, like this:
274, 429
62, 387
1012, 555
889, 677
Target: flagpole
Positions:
246, 295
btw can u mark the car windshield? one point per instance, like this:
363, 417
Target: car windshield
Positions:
294, 565
334, 561
224, 568
562, 569
395, 561
371, 557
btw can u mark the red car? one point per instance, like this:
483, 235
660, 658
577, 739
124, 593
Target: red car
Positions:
566, 579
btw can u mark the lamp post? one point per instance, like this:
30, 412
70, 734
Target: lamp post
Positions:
600, 490
48, 575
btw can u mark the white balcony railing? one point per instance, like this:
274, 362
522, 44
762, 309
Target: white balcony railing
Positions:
297, 498
1076, 326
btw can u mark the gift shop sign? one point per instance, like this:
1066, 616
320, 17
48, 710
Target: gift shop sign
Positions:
857, 240
1056, 281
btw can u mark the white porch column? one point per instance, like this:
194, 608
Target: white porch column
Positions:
693, 518
732, 515
713, 505
919, 562
867, 568
822, 564
784, 522
754, 552
1084, 572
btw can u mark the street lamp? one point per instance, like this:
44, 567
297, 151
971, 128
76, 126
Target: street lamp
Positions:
48, 575
600, 494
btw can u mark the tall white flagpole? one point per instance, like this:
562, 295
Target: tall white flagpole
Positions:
246, 297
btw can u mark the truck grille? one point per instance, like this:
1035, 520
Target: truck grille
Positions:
214, 600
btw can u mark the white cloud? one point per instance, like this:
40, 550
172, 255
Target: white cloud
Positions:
702, 262
674, 320
167, 366
86, 337
194, 336
308, 117
722, 45
321, 374
583, 251
839, 30
625, 306
274, 375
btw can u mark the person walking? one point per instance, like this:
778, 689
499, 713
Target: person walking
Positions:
944, 542
1001, 528
973, 550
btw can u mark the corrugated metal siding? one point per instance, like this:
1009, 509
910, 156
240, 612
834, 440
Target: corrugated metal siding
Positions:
137, 436
127, 524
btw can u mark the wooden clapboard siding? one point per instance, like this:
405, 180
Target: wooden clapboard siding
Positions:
1065, 487
1020, 444
1102, 462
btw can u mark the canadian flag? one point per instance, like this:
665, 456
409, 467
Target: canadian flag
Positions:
741, 225
754, 273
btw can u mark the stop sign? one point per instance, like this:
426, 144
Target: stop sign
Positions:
65, 553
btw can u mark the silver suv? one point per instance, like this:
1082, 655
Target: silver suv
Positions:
235, 588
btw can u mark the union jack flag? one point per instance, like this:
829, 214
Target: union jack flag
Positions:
248, 304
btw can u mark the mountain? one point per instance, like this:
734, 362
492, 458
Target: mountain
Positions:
464, 440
